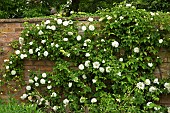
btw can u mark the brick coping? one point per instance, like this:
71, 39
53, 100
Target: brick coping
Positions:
33, 20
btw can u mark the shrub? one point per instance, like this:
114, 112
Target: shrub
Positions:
109, 66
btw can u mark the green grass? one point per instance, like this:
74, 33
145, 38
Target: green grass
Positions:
14, 106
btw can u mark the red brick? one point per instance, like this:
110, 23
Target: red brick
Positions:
3, 24
19, 29
7, 49
44, 68
165, 99
39, 63
7, 29
30, 68
28, 62
13, 25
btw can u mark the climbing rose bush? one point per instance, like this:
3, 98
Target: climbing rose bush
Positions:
104, 65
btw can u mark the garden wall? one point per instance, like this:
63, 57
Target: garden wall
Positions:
10, 30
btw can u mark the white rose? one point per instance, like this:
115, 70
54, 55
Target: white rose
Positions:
121, 17
47, 102
36, 84
35, 78
121, 59
65, 39
101, 19
96, 65
147, 82
168, 109
53, 27
81, 67
55, 108
156, 81
37, 49
102, 40
42, 81
93, 100
48, 27
53, 94
140, 85
128, 5
87, 63
75, 79
70, 84
148, 104
31, 81
84, 77
157, 108
39, 53
30, 51
71, 12
24, 96
85, 44
101, 69
152, 89
65, 23
44, 75
136, 50
59, 21
109, 17
91, 27
160, 41
28, 87
22, 56
83, 28
115, 44
153, 14
167, 85
47, 22
52, 44
103, 61
90, 19
17, 52
30, 43
70, 33
49, 87
78, 38
56, 45
87, 41
108, 69
21, 40
150, 64
6, 60
65, 101
40, 32
94, 80
13, 72
45, 53
119, 74
7, 67
87, 54
43, 41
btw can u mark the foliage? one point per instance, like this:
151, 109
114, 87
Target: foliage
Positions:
106, 64
38, 8
14, 106
153, 5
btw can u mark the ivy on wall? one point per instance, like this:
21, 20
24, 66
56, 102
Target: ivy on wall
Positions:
106, 65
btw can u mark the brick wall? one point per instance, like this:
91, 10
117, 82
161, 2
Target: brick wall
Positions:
10, 30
